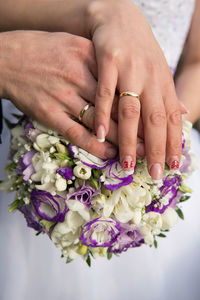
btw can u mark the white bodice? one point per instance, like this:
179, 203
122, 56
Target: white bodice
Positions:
170, 21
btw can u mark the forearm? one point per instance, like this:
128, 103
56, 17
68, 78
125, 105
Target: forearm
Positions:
188, 89
47, 15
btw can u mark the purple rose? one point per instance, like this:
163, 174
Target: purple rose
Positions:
129, 237
100, 232
48, 207
84, 195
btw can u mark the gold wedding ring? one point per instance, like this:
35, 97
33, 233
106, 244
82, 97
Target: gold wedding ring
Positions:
132, 94
85, 108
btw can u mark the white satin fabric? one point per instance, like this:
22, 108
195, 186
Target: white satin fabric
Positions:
31, 267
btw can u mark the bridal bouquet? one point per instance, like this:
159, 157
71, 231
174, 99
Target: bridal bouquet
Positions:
89, 206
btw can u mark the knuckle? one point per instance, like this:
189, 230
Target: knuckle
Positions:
111, 53
131, 110
104, 92
158, 118
72, 133
174, 146
175, 117
157, 153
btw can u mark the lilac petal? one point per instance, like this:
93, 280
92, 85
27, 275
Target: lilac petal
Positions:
65, 172
27, 159
28, 172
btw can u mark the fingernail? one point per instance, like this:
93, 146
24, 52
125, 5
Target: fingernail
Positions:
174, 163
184, 107
156, 171
110, 152
140, 151
101, 134
128, 163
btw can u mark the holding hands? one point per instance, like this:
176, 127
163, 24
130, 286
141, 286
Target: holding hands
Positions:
59, 74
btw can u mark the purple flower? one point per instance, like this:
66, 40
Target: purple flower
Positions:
65, 172
84, 195
100, 232
170, 190
186, 162
129, 237
31, 217
48, 207
26, 168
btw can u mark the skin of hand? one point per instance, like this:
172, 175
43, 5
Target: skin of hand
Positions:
188, 75
48, 77
129, 59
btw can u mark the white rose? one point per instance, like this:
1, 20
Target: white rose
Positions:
154, 220
82, 171
169, 218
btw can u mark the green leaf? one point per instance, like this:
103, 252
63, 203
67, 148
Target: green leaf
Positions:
47, 224
68, 260
61, 156
9, 124
94, 183
161, 235
155, 244
184, 198
96, 173
11, 166
109, 255
88, 260
70, 163
38, 233
180, 213
185, 189
17, 203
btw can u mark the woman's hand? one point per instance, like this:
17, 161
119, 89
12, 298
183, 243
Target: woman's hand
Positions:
130, 59
48, 77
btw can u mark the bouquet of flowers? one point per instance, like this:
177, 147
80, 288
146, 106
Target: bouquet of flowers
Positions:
91, 207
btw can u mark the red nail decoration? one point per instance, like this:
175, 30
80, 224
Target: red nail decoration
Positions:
125, 164
174, 164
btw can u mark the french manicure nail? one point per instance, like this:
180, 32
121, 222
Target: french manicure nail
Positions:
101, 134
156, 171
110, 152
128, 163
174, 163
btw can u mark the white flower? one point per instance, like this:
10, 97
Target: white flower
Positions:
148, 236
169, 218
77, 206
42, 141
137, 216
81, 171
61, 184
154, 220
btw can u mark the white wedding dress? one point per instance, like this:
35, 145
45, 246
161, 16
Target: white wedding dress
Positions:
31, 267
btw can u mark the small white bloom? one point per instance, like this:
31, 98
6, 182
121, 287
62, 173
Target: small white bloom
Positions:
42, 141
137, 216
148, 236
169, 218
61, 184
82, 171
